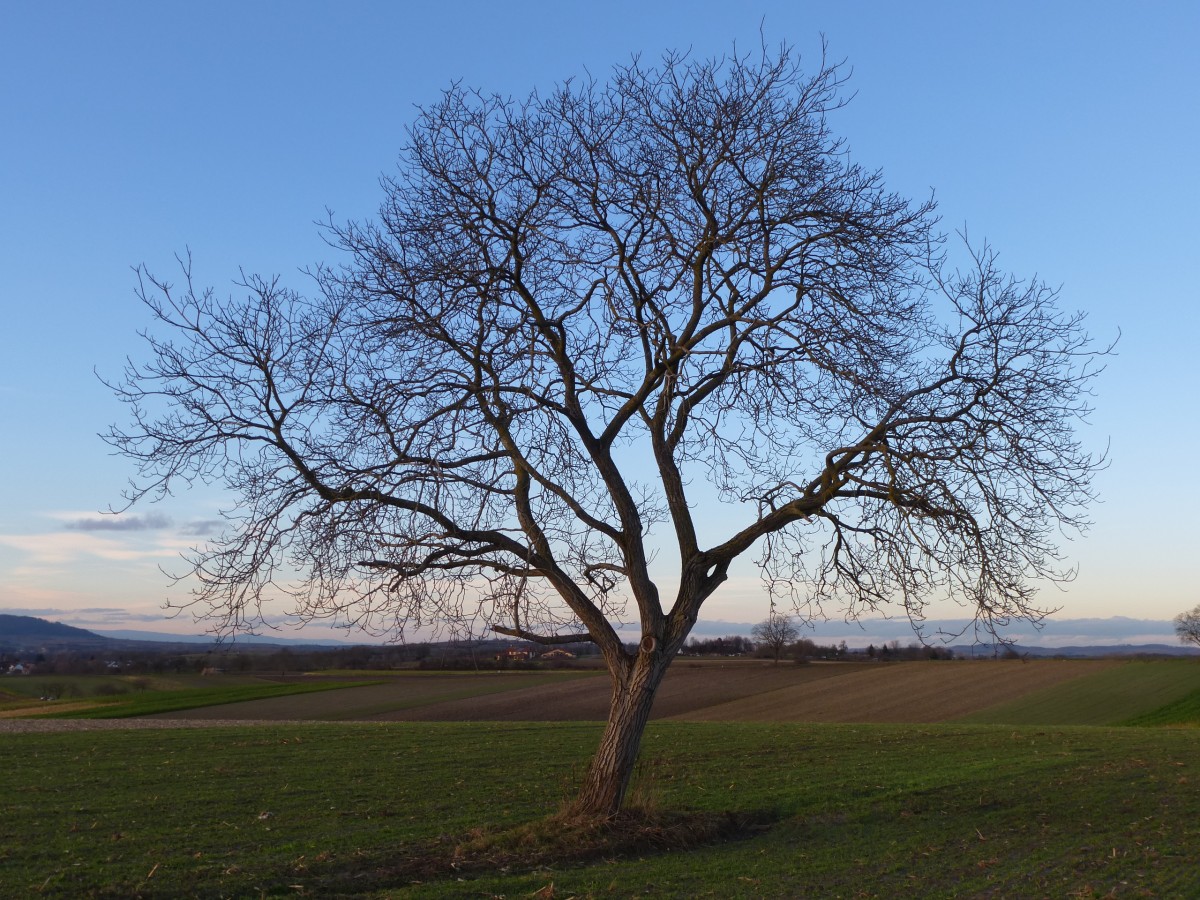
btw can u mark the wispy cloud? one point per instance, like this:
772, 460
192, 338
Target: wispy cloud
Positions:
44, 612
59, 548
118, 617
149, 522
95, 616
202, 527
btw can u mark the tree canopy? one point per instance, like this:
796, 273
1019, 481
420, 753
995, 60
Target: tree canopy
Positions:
576, 317
776, 633
1187, 626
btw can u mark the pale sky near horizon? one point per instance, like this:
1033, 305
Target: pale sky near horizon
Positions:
1065, 133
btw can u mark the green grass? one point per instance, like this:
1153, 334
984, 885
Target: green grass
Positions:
857, 811
173, 700
1184, 711
1109, 697
90, 687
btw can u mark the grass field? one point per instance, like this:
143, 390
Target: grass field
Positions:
1185, 711
1048, 800
853, 811
109, 697
1110, 696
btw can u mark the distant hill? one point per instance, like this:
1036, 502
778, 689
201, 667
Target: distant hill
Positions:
30, 629
159, 637
1093, 651
1119, 650
32, 633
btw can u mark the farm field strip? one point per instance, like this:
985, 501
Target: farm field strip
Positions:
1183, 711
750, 692
114, 697
1082, 692
1109, 696
901, 692
216, 697
384, 696
686, 687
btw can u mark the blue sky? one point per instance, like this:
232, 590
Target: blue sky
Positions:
1065, 133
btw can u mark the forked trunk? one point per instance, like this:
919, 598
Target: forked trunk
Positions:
611, 768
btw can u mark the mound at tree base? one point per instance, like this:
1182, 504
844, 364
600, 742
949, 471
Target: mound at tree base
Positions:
569, 838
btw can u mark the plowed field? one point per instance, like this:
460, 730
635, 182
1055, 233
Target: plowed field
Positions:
727, 691
905, 692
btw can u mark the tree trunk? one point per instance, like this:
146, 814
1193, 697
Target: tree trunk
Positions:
611, 768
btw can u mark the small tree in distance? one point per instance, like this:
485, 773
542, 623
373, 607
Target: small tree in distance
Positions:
776, 632
1187, 626
583, 318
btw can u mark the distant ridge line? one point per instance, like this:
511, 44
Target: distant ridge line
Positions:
1089, 650
27, 631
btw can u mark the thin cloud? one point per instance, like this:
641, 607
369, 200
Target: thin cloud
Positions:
58, 548
149, 522
112, 618
202, 527
41, 613
92, 617
103, 611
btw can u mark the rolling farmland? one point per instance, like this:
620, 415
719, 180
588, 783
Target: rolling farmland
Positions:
374, 802
985, 692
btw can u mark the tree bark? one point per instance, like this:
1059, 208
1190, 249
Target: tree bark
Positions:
611, 768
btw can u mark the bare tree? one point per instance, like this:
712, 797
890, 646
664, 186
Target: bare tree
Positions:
1187, 626
776, 632
580, 321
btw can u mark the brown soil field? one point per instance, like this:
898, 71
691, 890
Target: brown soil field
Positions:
708, 691
369, 702
901, 692
687, 689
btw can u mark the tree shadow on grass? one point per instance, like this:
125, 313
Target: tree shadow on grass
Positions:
562, 839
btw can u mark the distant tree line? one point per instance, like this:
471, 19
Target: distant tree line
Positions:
261, 658
249, 658
893, 651
730, 645
804, 649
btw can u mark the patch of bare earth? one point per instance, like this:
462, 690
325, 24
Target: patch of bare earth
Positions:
901, 692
